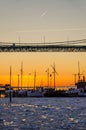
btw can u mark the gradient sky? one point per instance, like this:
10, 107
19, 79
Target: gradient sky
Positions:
31, 21
66, 65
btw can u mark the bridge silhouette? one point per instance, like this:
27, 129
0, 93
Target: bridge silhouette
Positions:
65, 46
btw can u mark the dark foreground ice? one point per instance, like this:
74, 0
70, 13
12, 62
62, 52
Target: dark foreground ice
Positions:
43, 114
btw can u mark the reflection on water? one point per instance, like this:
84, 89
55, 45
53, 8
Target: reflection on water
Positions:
2, 95
43, 114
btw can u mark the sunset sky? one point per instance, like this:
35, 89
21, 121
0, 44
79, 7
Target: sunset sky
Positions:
31, 21
66, 65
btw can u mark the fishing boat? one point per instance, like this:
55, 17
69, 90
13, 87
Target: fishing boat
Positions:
36, 93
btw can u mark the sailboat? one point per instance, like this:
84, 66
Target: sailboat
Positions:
36, 92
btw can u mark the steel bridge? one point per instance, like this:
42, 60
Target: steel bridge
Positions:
66, 46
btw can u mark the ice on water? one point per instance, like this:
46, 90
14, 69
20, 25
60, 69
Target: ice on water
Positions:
43, 114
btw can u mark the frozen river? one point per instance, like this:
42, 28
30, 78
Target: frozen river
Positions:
43, 114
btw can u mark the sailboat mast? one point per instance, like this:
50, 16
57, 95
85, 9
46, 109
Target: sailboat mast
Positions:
54, 77
18, 81
78, 71
34, 80
10, 75
48, 76
54, 72
10, 83
21, 73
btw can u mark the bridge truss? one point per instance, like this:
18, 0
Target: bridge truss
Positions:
66, 46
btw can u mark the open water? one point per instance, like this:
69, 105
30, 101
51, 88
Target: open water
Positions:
43, 114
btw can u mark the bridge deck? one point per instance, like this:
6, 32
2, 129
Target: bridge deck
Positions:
70, 46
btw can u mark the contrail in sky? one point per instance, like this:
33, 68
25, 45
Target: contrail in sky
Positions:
44, 13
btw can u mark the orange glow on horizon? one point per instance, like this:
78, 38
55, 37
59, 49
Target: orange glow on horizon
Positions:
41, 80
66, 65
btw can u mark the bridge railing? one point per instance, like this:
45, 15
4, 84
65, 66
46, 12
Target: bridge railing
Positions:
74, 45
82, 41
